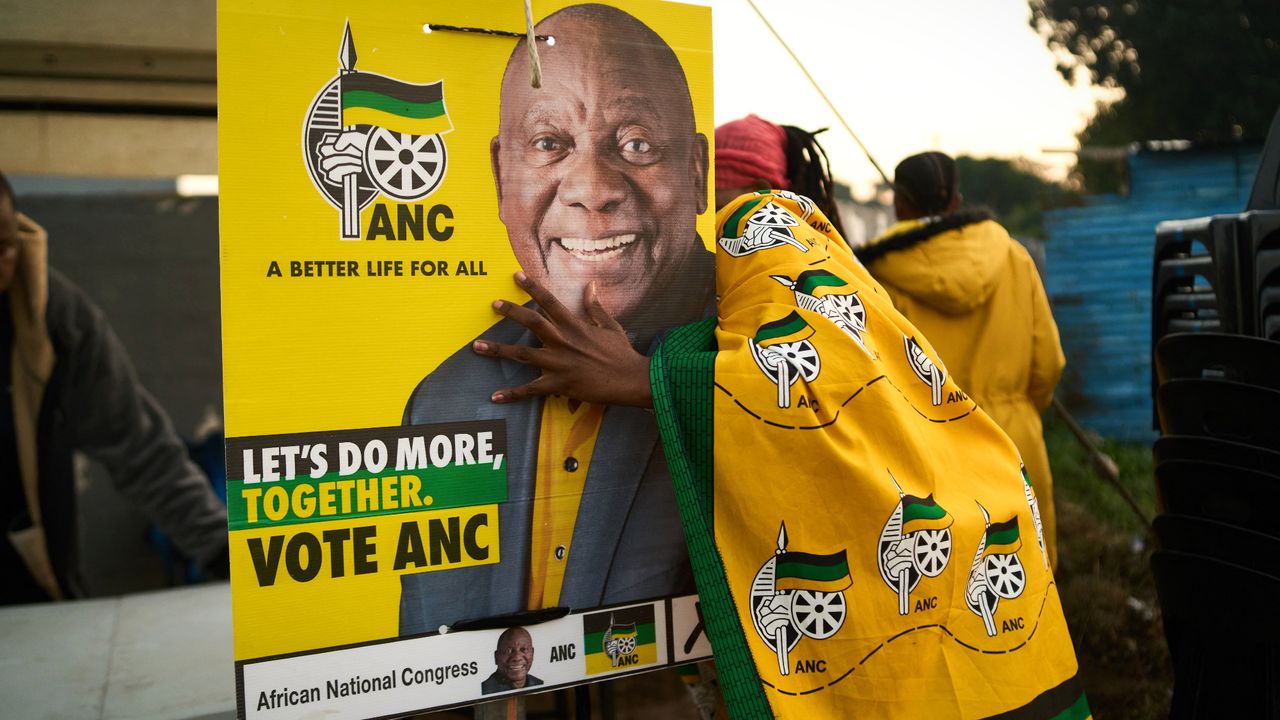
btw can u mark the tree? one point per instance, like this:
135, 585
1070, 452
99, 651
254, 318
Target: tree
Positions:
1014, 191
1201, 70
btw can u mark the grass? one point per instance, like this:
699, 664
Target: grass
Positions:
1105, 581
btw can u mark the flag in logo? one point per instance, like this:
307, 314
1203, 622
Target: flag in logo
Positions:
370, 99
817, 282
923, 514
1002, 538
816, 573
789, 329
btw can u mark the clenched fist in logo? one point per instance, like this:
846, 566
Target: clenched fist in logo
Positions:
342, 155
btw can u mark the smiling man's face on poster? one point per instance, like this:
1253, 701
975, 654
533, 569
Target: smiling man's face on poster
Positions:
600, 173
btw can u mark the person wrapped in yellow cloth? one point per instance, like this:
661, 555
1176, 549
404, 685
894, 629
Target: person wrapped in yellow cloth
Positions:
862, 537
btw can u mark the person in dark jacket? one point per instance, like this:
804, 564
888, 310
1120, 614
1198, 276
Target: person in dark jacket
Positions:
68, 386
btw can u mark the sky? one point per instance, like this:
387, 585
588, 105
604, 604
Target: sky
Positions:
961, 76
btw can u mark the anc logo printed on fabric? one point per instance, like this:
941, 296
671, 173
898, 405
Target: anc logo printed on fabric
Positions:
783, 352
759, 225
798, 594
367, 134
816, 290
1035, 514
930, 373
915, 543
996, 573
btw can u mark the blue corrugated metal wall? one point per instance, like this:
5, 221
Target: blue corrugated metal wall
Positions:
1098, 277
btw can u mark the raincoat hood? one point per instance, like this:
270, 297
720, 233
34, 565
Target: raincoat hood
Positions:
951, 263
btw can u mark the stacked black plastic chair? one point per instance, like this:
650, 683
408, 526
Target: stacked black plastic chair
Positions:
1215, 323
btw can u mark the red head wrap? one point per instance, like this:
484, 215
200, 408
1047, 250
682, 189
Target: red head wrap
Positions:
748, 150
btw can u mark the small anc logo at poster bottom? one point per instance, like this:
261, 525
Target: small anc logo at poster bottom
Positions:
616, 640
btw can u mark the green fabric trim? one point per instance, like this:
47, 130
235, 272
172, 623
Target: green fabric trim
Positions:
682, 375
1079, 710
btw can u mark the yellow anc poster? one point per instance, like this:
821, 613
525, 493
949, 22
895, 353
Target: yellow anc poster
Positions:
399, 542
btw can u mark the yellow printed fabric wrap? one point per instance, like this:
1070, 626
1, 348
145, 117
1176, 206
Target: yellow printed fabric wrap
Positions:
861, 533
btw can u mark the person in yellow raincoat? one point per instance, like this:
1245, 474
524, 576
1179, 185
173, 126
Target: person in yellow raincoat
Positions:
975, 293
863, 540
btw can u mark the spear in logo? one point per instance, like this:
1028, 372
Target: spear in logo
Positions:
904, 577
350, 188
780, 635
988, 616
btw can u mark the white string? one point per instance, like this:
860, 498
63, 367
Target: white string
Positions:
535, 67
822, 94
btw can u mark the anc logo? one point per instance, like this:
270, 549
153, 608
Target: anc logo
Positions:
996, 571
619, 639
915, 542
784, 354
797, 594
367, 135
816, 290
759, 225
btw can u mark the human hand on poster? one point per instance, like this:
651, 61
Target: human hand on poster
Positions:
342, 155
586, 358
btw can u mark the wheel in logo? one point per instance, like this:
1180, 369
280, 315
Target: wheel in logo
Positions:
818, 615
932, 550
772, 216
1005, 575
405, 167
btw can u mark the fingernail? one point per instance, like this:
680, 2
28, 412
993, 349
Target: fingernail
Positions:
521, 278
496, 397
480, 346
497, 304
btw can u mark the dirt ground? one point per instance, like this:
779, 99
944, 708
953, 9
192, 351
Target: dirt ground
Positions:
1108, 595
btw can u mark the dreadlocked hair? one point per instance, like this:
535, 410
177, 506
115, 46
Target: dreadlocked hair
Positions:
810, 172
928, 181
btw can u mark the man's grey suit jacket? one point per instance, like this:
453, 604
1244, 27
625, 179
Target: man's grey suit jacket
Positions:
627, 541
